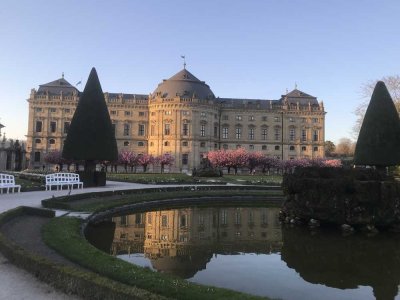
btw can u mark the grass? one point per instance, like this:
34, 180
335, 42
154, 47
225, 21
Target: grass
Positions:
63, 234
29, 185
178, 178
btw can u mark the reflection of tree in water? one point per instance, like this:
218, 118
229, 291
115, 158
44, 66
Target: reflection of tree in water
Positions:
101, 235
184, 266
345, 262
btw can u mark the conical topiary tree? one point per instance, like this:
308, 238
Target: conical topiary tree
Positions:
378, 143
91, 136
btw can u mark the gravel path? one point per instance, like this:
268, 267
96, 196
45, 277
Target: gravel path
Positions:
18, 284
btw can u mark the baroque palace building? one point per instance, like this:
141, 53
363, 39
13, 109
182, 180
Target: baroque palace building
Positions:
184, 118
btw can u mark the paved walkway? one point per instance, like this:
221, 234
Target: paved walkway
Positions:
18, 284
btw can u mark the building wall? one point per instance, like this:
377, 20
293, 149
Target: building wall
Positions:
206, 122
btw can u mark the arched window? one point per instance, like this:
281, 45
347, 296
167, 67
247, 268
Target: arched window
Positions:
52, 141
38, 141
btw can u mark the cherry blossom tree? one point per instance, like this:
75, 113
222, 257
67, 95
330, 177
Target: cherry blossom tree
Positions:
237, 158
333, 163
254, 160
164, 160
144, 160
55, 157
124, 158
218, 158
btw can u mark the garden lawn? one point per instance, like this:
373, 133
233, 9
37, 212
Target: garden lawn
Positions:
179, 178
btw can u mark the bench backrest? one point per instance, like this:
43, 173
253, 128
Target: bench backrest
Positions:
61, 178
6, 179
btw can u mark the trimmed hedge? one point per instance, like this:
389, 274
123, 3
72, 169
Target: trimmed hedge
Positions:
66, 202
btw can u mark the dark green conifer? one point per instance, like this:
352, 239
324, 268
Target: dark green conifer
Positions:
378, 143
91, 136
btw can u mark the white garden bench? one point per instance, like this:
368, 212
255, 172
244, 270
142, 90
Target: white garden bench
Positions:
8, 182
63, 179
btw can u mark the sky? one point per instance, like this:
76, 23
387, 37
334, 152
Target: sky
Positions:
242, 49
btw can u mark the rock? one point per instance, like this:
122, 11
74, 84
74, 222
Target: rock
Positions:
314, 223
347, 229
296, 221
370, 229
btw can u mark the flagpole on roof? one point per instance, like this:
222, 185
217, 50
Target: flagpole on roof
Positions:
184, 61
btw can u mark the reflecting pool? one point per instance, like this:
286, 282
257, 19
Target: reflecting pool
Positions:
246, 249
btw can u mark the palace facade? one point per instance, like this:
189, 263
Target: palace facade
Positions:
184, 118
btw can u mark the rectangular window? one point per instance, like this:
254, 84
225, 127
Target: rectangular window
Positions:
141, 114
185, 129
141, 130
38, 126
238, 218
66, 126
168, 112
291, 119
251, 147
251, 118
315, 135
153, 113
113, 112
304, 135
185, 113
224, 217
215, 131
53, 126
203, 114
292, 134
127, 113
315, 120
167, 129
184, 144
225, 132
277, 119
164, 220
238, 118
38, 109
251, 133
203, 130
67, 110
152, 130
264, 118
225, 117
53, 110
238, 133
37, 157
126, 129
277, 134
264, 134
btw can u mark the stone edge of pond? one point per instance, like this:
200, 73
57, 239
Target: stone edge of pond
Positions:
67, 279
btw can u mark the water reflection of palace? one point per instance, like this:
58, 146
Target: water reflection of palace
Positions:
182, 241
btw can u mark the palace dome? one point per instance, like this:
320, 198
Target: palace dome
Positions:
183, 84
